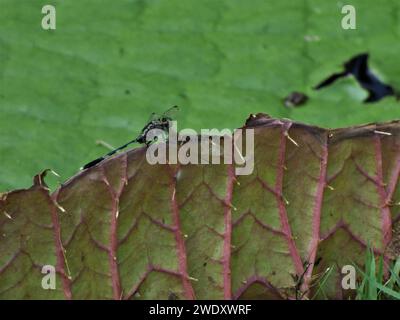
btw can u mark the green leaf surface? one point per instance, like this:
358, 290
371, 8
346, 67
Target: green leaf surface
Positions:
108, 66
128, 229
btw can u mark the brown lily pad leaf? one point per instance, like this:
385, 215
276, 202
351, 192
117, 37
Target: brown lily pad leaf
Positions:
126, 229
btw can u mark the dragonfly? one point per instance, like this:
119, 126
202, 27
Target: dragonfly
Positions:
161, 122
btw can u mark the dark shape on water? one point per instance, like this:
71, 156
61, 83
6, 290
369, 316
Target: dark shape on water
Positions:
160, 122
358, 67
295, 99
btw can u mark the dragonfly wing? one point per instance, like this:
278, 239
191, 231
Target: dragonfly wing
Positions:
153, 117
171, 113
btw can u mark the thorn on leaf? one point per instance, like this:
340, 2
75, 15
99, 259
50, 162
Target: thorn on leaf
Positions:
193, 279
330, 187
291, 139
382, 133
7, 215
